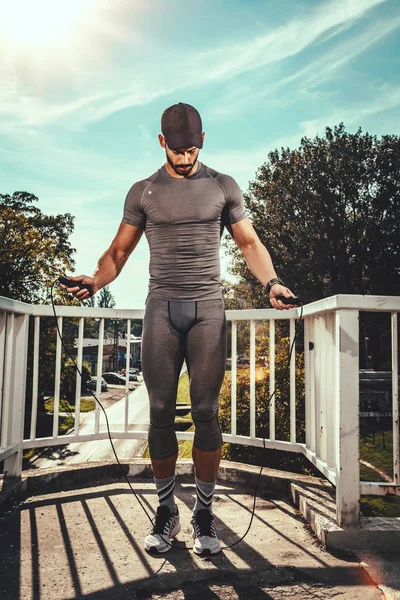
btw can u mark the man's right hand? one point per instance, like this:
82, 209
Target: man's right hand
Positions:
81, 294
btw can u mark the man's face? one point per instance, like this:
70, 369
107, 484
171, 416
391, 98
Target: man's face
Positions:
182, 160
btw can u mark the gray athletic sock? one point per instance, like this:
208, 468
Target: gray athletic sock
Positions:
165, 490
204, 495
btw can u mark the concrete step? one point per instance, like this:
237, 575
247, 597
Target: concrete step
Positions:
316, 504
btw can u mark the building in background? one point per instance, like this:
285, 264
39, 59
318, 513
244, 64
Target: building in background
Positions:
114, 354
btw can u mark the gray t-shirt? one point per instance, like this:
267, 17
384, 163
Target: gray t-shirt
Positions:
183, 221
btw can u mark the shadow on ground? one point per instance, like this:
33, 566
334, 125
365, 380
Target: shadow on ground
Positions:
87, 543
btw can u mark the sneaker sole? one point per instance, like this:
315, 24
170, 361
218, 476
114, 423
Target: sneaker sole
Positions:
207, 551
155, 550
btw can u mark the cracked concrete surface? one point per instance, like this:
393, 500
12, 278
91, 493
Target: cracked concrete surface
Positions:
86, 542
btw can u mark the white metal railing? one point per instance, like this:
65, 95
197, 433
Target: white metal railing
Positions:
331, 359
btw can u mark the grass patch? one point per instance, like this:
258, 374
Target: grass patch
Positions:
380, 506
378, 453
65, 406
183, 395
367, 474
28, 454
185, 448
65, 424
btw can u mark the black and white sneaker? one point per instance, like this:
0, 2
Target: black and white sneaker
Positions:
165, 527
206, 541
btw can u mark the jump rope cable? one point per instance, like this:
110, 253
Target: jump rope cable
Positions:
99, 403
141, 504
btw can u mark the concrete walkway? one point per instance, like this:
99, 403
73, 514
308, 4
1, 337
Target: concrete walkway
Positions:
84, 541
101, 450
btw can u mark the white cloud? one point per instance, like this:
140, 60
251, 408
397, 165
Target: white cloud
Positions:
317, 71
229, 61
385, 97
39, 152
23, 106
284, 41
323, 67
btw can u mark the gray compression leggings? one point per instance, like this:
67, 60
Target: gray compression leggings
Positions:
172, 332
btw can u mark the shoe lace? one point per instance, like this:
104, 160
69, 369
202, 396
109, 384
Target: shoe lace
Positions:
160, 521
203, 524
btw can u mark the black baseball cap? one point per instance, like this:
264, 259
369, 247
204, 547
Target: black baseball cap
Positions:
181, 126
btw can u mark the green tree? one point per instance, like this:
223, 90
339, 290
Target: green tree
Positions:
112, 327
329, 214
68, 378
105, 299
35, 248
254, 455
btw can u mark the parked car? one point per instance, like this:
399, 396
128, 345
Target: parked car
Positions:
133, 373
92, 384
114, 378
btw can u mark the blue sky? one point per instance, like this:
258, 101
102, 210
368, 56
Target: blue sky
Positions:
83, 85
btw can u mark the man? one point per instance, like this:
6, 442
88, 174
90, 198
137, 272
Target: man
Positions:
183, 208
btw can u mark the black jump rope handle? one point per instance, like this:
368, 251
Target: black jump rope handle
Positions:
71, 284
285, 300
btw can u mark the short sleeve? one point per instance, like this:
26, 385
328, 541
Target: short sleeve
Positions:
133, 210
234, 210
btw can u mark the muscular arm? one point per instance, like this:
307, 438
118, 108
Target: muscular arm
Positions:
258, 259
254, 252
111, 262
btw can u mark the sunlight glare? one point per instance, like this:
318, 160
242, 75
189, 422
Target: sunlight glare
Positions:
47, 23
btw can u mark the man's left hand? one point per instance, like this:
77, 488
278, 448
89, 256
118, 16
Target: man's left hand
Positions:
280, 290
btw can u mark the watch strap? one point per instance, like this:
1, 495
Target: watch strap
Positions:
271, 282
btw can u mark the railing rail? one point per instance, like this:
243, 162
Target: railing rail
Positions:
331, 388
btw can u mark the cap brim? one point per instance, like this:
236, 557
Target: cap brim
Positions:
178, 140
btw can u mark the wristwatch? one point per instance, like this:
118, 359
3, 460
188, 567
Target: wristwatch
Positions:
271, 282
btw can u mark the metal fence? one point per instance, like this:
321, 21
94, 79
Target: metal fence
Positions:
331, 386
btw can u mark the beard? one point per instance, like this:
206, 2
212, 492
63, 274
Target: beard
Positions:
182, 169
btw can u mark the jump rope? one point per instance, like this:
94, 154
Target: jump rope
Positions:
152, 519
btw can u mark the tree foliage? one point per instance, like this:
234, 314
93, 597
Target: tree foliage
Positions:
35, 248
68, 378
329, 214
106, 298
251, 454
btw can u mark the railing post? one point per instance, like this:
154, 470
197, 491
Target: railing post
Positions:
331, 358
13, 464
309, 380
395, 401
272, 379
234, 377
347, 418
